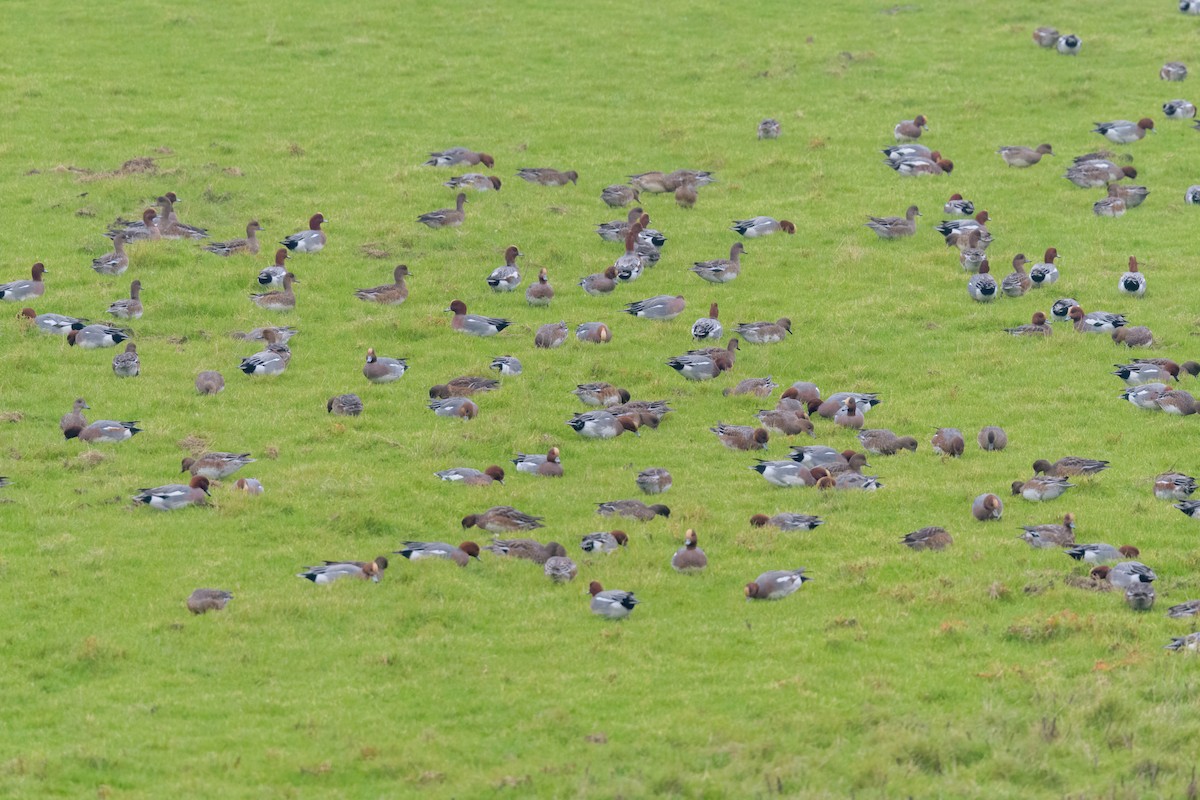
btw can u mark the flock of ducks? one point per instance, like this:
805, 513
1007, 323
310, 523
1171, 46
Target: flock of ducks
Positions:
1152, 383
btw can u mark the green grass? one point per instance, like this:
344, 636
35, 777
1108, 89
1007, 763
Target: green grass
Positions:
977, 672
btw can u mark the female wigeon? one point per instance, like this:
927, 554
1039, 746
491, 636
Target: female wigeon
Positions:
473, 324
216, 466
1095, 321
116, 262
1122, 131
1140, 596
615, 230
1176, 402
463, 386
1190, 608
1045, 37
1024, 156
1133, 196
527, 549
1037, 326
548, 465
1050, 535
344, 405
146, 228
600, 283
507, 277
210, 382
1017, 282
619, 195
74, 419
1110, 206
1068, 45
593, 332
600, 394
248, 485
476, 181
202, 601
383, 370
768, 129
551, 335
970, 255
1173, 71
895, 227
309, 241
786, 474
502, 519
540, 293
654, 480
1132, 282
1045, 272
765, 332
506, 365
1174, 486
1179, 109
461, 555
741, 437
273, 275
168, 222
686, 195
762, 226
787, 521
759, 387
545, 176
390, 294
131, 307
611, 604
446, 217
992, 438
602, 425
331, 571
174, 496
987, 507
604, 541
249, 245
1100, 553
459, 155
708, 328
660, 307
560, 569
1098, 174
689, 558
1038, 489
884, 442
776, 584
127, 364
785, 421
908, 130
284, 300
931, 538
632, 509
15, 291
461, 407
90, 337
982, 287
721, 270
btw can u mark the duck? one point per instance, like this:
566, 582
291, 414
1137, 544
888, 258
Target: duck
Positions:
632, 509
776, 584
502, 519
540, 293
708, 328
593, 332
104, 431
238, 246
1024, 156
250, 486
829, 406
16, 291
957, 205
74, 419
883, 442
1173, 71
545, 176
768, 129
948, 442
58, 324
1061, 310
527, 549
611, 604
473, 324
992, 438
982, 287
507, 277
1140, 597
1145, 396
1098, 174
762, 226
474, 180
507, 365
1017, 282
916, 167
721, 270
201, 601
785, 474
619, 195
1050, 535
660, 307
895, 227
1132, 282
1184, 610
560, 569
1037, 326
1176, 402
1045, 272
629, 266
216, 466
604, 542
1174, 486
971, 256
1095, 321
116, 262
1100, 553
956, 230
547, 466
1133, 336
146, 228
383, 370
759, 387
1128, 573
1191, 642
1122, 131
741, 437
130, 308
602, 425
686, 196
1068, 45
331, 571
1189, 507
1069, 466
1142, 372
273, 275
689, 558
987, 507
309, 241
600, 394
849, 415
1133, 196
284, 300
600, 283
390, 294
461, 407
787, 521
344, 405
461, 555
695, 367
908, 130
653, 182
550, 335
904, 151
127, 364
931, 538
785, 421
1109, 207
654, 480
616, 230
1179, 109
765, 332
271, 361
90, 337
174, 496
459, 155
168, 222
1038, 489
446, 217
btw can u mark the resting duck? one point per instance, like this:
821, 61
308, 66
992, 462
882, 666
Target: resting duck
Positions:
90, 337
762, 226
174, 496
309, 241
982, 287
474, 324
957, 205
1095, 321
1045, 273
58, 324
127, 364
1024, 156
130, 308
540, 293
383, 370
474, 180
446, 217
1017, 282
708, 328
895, 227
392, 294
284, 300
116, 262
273, 275
721, 270
547, 177
331, 571
459, 155
768, 129
908, 130
238, 246
25, 289
507, 277
1037, 326
619, 195
1179, 109
1132, 282
776, 584
1122, 131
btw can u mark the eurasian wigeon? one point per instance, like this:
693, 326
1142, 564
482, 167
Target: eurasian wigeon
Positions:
955, 230
273, 275
884, 442
131, 307
474, 180
271, 361
145, 228
1189, 7
659, 307
550, 335
600, 283
1139, 373
1050, 534
58, 324
383, 370
1110, 206
604, 541
1098, 174
507, 277
210, 382
1061, 310
611, 604
971, 256
1128, 573
785, 421
283, 300
616, 230
776, 584
630, 265
248, 485
849, 415
1045, 272
248, 245
463, 386
168, 222
127, 364
602, 425
1179, 109
721, 270
908, 130
1045, 37
216, 466
741, 437
25, 289
1095, 321
600, 393
762, 226
903, 151
1038, 489
816, 455
708, 328
958, 206
759, 387
446, 217
116, 262
1184, 610
468, 476
1177, 402
787, 521
632, 509
459, 155
540, 293
895, 227
474, 324
765, 332
686, 195
548, 465
74, 419
1037, 326
916, 167
1017, 282
1100, 553
948, 442
506, 365
105, 431
695, 367
204, 600
390, 294
461, 407
90, 337
1145, 396
689, 558
1133, 196
1024, 156
281, 334
1068, 45
1173, 71
593, 332
461, 555
309, 241
1174, 486
1191, 642
1190, 507
786, 474
982, 287
174, 496
654, 480
992, 438
502, 519
1140, 596
527, 549
768, 129
1132, 282
931, 538
545, 176
1122, 131
987, 507
560, 569
619, 195
653, 182
331, 571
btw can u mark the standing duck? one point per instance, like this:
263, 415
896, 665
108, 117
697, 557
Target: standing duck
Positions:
611, 604
1132, 282
1095, 321
116, 262
1122, 131
982, 287
545, 176
309, 241
689, 558
507, 277
768, 129
1017, 282
474, 180
1024, 156
127, 364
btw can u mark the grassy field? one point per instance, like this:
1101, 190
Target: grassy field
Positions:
976, 672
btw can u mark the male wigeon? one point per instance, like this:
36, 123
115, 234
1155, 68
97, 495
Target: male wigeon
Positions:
474, 180
916, 167
948, 442
895, 227
507, 277
283, 300
695, 367
127, 364
786, 474
958, 206
1045, 36
632, 509
461, 555
560, 569
309, 241
1191, 642
1037, 326
931, 538
1050, 534
1024, 156
1145, 372
174, 496
1095, 321
461, 407
660, 307
708, 328
116, 262
248, 245
982, 287
131, 307
210, 382
1061, 310
721, 270
273, 275
1038, 489
600, 393
849, 415
629, 266
1132, 282
390, 294
955, 229
593, 332
1100, 553
768, 129
611, 604
548, 465
828, 407
540, 293
787, 521
992, 438
104, 431
1145, 396
602, 425
1068, 45
202, 601
1017, 282
1122, 131
545, 176
884, 442
474, 324
689, 558
604, 541
344, 405
527, 549
987, 507
383, 370
616, 230
90, 337
331, 571
271, 361
1045, 272
248, 485
57, 324
281, 334
506, 365
459, 155
1140, 596
1190, 507
741, 437
1189, 7
446, 217
904, 151
762, 226
619, 195
1174, 486
765, 332
15, 291
908, 130
502, 519
1179, 109
776, 584
654, 480
816, 455
1128, 573
1173, 71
